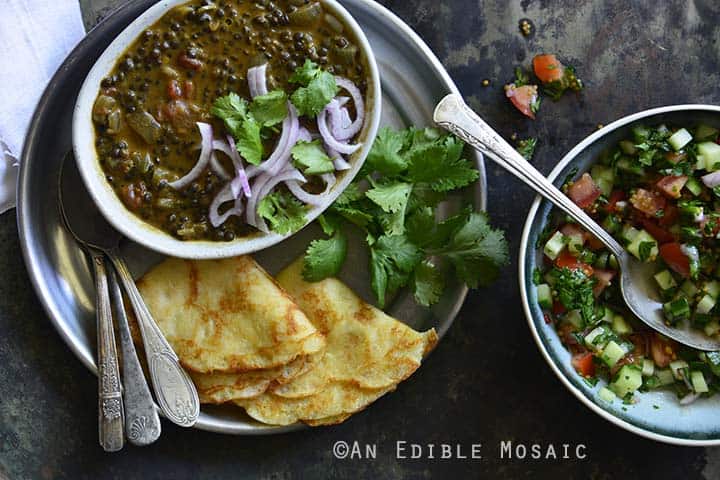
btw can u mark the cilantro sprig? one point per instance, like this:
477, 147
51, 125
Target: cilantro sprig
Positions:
284, 212
394, 201
317, 88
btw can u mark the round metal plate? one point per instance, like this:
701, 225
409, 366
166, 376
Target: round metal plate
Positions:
413, 81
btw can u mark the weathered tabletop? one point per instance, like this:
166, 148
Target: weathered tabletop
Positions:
486, 382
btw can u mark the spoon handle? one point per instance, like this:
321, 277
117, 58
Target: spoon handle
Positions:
453, 114
142, 422
110, 405
175, 392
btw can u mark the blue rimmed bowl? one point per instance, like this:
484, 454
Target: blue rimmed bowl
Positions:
657, 415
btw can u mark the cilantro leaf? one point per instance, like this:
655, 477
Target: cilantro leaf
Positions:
318, 87
248, 141
330, 223
428, 284
476, 250
391, 197
521, 77
575, 291
384, 156
325, 258
526, 147
270, 109
392, 259
443, 173
231, 109
312, 158
285, 213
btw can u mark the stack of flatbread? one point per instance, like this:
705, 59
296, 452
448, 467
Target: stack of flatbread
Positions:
285, 351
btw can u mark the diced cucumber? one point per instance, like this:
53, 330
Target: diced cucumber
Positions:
710, 152
676, 310
607, 315
629, 233
706, 132
604, 178
648, 367
665, 280
643, 247
679, 139
628, 147
597, 338
627, 165
712, 328
676, 367
664, 376
555, 245
620, 325
694, 186
602, 260
575, 243
575, 319
640, 132
605, 186
628, 380
705, 305
712, 288
606, 395
612, 353
544, 295
698, 382
689, 289
612, 262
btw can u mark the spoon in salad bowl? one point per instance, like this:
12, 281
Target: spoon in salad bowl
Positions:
636, 277
175, 392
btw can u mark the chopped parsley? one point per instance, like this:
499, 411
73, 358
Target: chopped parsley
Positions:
575, 291
526, 147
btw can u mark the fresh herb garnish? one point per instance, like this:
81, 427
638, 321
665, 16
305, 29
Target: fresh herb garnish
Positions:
270, 109
407, 174
526, 147
317, 88
285, 213
325, 258
311, 158
575, 291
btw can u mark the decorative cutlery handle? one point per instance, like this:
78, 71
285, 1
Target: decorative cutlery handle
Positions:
174, 390
454, 115
142, 422
110, 406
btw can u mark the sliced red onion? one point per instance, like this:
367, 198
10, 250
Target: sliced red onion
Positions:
328, 138
304, 135
711, 180
257, 80
206, 132
312, 198
345, 120
691, 252
342, 101
225, 195
359, 104
280, 157
241, 178
341, 164
263, 186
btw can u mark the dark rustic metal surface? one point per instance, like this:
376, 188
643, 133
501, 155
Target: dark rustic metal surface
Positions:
486, 382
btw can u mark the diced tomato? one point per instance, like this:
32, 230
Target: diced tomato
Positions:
663, 350
174, 90
647, 202
673, 255
567, 260
523, 98
583, 363
670, 215
573, 230
548, 68
657, 232
672, 185
604, 278
583, 191
558, 308
675, 157
615, 197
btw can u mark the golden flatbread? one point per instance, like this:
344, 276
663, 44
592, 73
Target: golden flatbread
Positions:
365, 346
367, 354
227, 315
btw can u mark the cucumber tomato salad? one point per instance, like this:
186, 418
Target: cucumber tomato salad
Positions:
658, 193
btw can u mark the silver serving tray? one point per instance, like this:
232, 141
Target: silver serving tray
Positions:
413, 81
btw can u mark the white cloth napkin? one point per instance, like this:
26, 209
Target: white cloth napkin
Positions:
35, 37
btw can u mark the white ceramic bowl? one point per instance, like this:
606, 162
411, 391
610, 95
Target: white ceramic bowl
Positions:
141, 232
